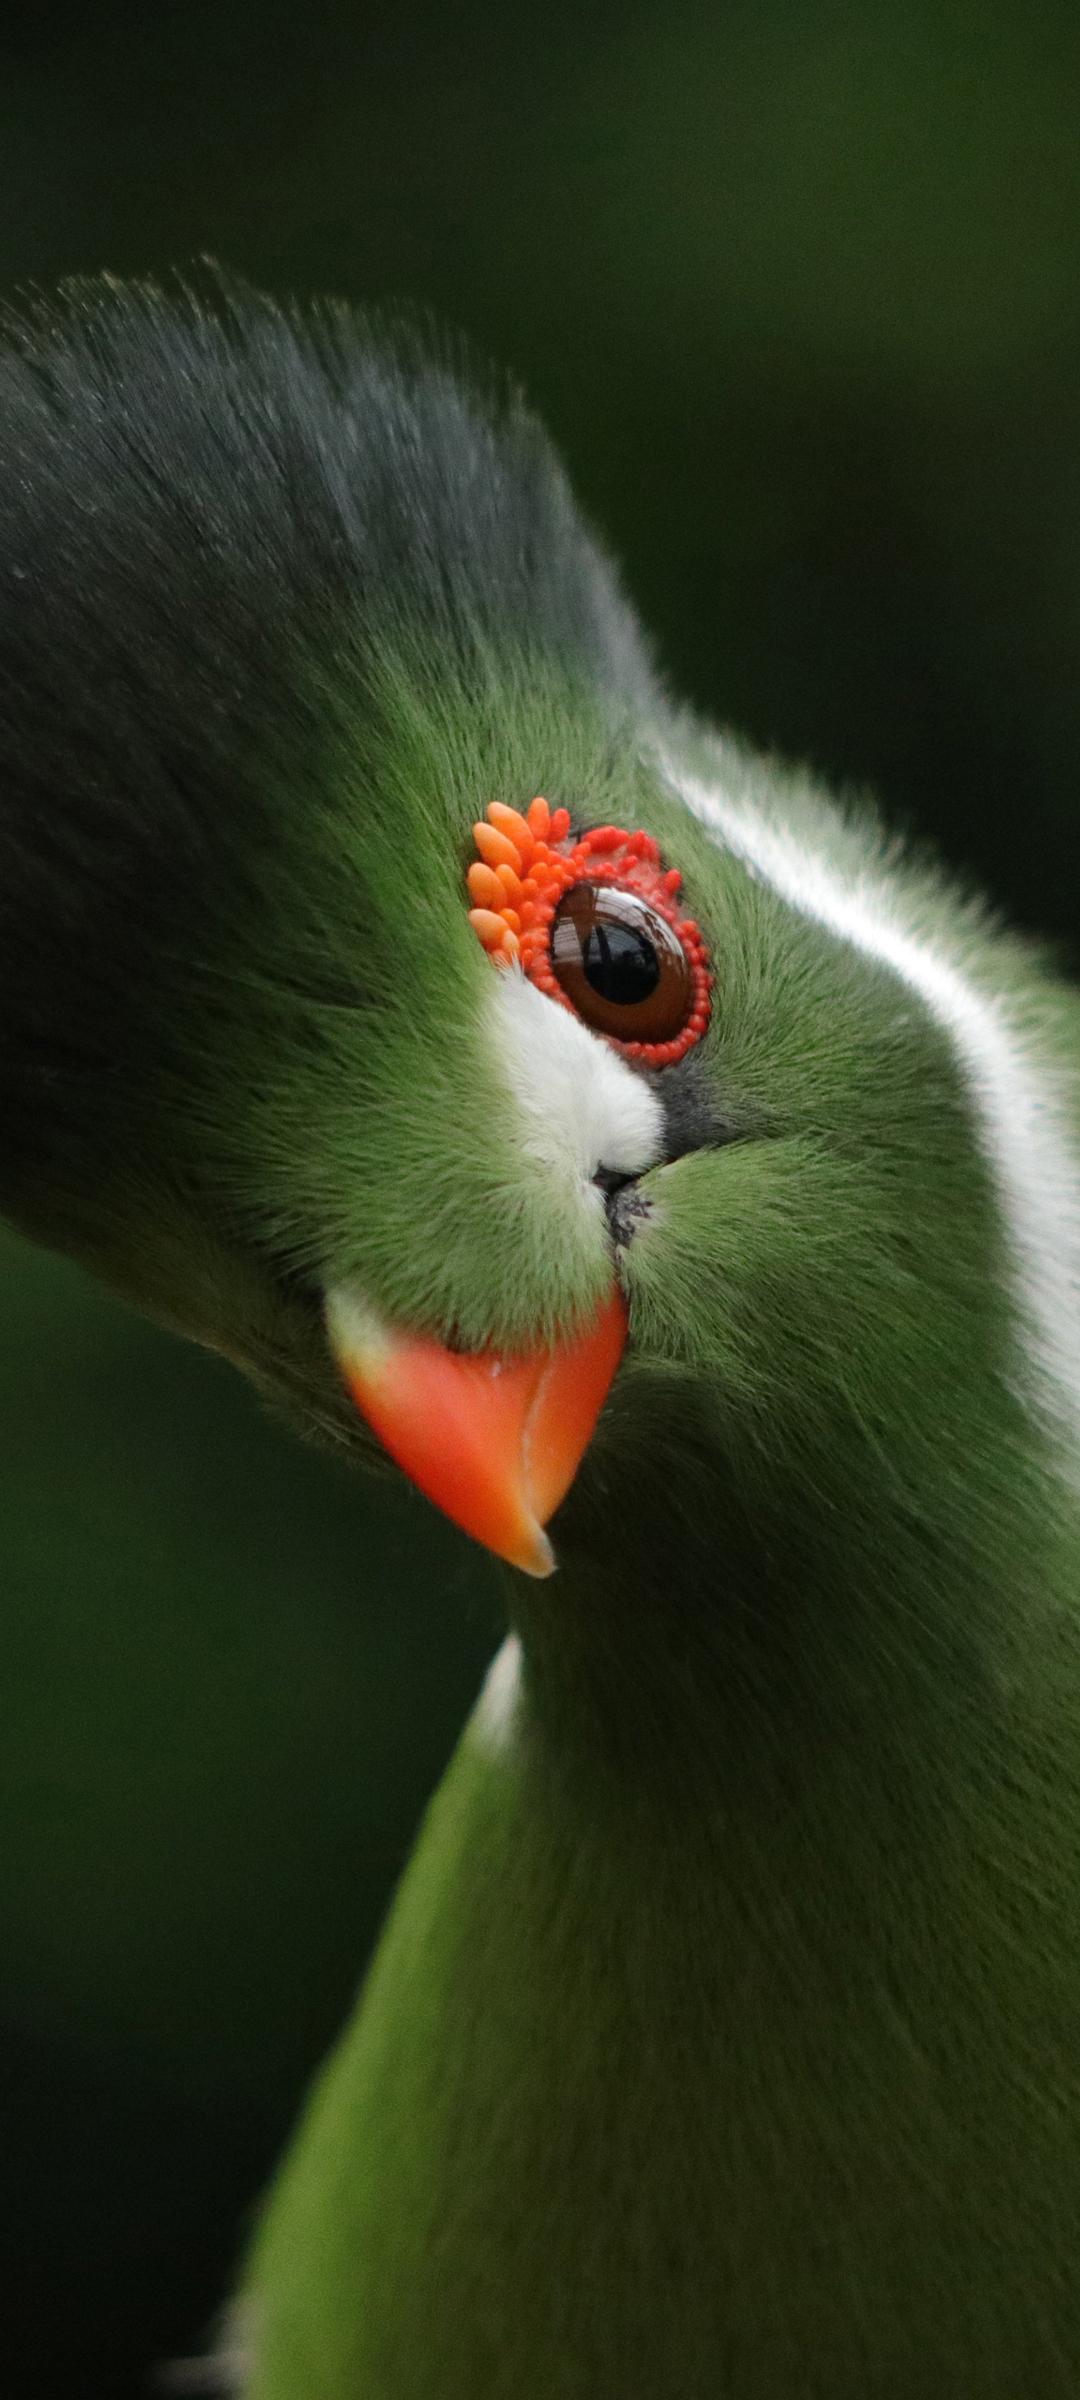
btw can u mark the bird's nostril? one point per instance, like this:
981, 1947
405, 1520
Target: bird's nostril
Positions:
625, 1203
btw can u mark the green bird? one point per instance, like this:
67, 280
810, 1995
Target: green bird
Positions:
400, 994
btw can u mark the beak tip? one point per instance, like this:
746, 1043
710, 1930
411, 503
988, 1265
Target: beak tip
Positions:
536, 1556
494, 1442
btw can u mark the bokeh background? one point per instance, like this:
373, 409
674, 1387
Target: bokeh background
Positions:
797, 289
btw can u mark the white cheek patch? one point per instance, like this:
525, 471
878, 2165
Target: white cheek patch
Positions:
582, 1107
1022, 1108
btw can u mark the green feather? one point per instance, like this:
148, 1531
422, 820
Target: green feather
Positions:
724, 2042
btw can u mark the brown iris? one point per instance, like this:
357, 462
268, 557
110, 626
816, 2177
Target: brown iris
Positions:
621, 964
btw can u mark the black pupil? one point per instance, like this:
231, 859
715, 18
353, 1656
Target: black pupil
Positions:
620, 963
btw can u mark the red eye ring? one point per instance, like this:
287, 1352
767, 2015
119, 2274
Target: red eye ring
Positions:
525, 870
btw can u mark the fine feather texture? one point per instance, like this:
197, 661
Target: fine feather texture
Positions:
583, 1107
201, 509
1026, 1100
725, 2038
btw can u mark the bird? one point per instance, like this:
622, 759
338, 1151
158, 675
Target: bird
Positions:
675, 1174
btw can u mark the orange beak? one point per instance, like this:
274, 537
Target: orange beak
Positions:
494, 1442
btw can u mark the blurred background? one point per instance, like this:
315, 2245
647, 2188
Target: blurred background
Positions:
797, 290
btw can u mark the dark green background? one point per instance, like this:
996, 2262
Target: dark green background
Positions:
798, 291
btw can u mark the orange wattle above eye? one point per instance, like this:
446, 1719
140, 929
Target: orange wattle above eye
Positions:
595, 921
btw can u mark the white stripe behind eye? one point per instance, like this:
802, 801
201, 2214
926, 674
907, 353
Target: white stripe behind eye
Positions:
1022, 1102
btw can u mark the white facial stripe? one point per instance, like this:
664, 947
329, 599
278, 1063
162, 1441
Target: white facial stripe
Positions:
582, 1106
1020, 1100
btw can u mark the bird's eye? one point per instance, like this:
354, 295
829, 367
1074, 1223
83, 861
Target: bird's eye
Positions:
621, 964
595, 921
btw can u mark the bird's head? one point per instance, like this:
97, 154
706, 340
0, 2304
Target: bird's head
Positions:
400, 998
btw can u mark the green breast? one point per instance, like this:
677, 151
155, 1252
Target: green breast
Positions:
750, 2106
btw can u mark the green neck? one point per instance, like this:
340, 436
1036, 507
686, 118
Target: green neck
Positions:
656, 2084
696, 1650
